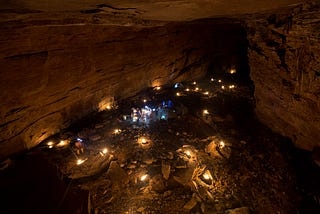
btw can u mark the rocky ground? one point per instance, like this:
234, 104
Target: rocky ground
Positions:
209, 156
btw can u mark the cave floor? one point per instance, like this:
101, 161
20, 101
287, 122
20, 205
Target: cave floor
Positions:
196, 161
221, 160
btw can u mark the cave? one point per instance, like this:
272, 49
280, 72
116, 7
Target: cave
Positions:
160, 106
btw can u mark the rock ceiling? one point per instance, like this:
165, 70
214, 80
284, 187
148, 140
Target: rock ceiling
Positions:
176, 10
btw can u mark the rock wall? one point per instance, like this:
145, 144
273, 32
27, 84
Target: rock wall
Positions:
284, 57
53, 74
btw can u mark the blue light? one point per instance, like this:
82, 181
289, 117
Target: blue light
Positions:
79, 139
176, 85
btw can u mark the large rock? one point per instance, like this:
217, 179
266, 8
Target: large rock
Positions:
284, 58
54, 72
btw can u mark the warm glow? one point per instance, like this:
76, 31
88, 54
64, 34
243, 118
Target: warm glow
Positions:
105, 151
222, 144
62, 143
116, 131
187, 89
196, 89
205, 111
178, 94
206, 93
233, 71
231, 86
143, 140
50, 144
188, 153
80, 161
105, 104
143, 177
211, 80
207, 175
219, 81
194, 83
158, 88
144, 100
222, 87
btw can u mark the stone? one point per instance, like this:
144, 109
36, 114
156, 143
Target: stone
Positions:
95, 137
284, 58
140, 209
117, 175
157, 183
167, 193
240, 210
165, 169
190, 204
170, 155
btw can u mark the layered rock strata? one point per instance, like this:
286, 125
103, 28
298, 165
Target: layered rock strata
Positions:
284, 56
53, 73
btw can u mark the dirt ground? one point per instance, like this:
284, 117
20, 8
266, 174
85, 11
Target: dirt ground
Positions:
208, 155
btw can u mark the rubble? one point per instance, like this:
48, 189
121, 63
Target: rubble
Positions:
206, 168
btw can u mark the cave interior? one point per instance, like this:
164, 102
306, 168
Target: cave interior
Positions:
160, 107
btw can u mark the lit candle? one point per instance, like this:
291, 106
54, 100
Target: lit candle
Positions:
143, 177
206, 93
80, 161
222, 87
105, 151
222, 144
117, 131
187, 89
207, 175
62, 143
194, 83
143, 141
50, 144
178, 94
233, 71
219, 81
158, 88
144, 100
205, 111
196, 89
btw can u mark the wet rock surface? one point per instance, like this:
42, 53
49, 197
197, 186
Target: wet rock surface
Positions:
192, 163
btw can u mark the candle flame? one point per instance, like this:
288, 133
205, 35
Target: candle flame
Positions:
207, 175
143, 177
222, 144
117, 131
80, 161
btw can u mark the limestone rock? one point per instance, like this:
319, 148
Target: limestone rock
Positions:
284, 57
117, 175
53, 75
240, 210
165, 169
190, 204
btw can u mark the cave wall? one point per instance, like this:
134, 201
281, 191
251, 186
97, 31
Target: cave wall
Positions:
284, 58
53, 74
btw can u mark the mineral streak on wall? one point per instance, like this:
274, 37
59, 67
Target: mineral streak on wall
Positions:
284, 58
52, 74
